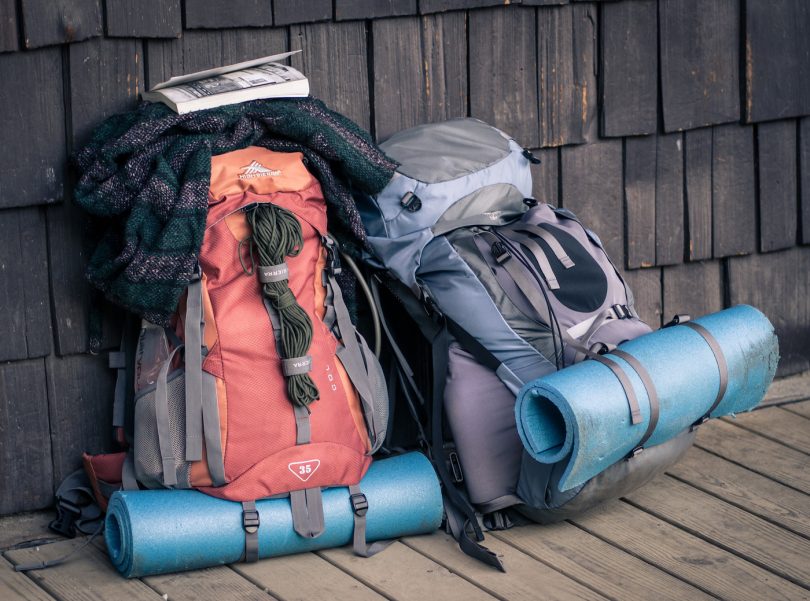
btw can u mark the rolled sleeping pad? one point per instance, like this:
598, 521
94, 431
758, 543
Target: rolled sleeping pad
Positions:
159, 531
580, 415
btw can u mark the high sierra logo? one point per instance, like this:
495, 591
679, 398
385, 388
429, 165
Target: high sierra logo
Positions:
256, 169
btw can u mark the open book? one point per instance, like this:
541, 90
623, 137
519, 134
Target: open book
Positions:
251, 80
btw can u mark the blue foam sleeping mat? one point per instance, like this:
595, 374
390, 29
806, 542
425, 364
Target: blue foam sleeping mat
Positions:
580, 414
159, 531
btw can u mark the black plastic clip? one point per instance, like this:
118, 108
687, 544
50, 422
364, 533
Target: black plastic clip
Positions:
621, 311
359, 504
411, 202
332, 256
530, 202
454, 465
530, 157
699, 423
635, 452
678, 319
66, 515
500, 252
250, 520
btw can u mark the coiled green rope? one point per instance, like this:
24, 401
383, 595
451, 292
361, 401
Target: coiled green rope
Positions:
277, 235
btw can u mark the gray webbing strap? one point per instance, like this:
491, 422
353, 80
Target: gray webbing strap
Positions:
518, 283
118, 362
128, 479
721, 365
352, 356
307, 512
273, 273
250, 524
302, 426
549, 239
652, 395
491, 218
193, 343
162, 421
635, 411
274, 321
360, 509
213, 439
296, 365
538, 254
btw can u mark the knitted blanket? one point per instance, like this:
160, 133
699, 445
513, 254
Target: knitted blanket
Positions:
147, 172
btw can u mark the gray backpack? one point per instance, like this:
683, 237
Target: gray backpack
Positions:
506, 290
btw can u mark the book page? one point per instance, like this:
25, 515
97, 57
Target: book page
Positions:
262, 75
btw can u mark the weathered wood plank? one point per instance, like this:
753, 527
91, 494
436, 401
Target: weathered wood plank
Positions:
733, 191
778, 425
777, 283
698, 191
88, 576
403, 574
546, 176
212, 584
198, 50
629, 68
646, 287
435, 6
687, 557
669, 219
786, 390
25, 446
777, 66
419, 82
727, 526
373, 9
80, 391
522, 571
756, 453
32, 110
592, 189
778, 182
804, 180
9, 35
106, 77
202, 14
335, 61
48, 22
286, 12
745, 489
693, 288
25, 527
699, 62
566, 59
639, 200
597, 564
144, 18
24, 294
291, 578
802, 409
503, 84
17, 586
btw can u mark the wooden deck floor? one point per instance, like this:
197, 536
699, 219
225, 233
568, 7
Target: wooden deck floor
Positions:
731, 521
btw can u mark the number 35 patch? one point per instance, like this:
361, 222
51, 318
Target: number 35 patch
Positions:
304, 469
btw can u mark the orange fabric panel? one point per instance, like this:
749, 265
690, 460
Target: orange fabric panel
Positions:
257, 170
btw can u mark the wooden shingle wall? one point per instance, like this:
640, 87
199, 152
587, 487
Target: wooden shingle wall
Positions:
677, 129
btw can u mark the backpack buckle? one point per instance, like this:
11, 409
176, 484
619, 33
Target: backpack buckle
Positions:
699, 423
359, 504
332, 256
454, 464
621, 311
250, 520
411, 202
66, 515
635, 452
679, 318
500, 252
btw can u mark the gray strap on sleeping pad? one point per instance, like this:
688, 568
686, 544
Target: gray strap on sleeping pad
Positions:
635, 410
250, 524
193, 342
539, 255
162, 422
549, 239
307, 512
273, 273
360, 509
652, 396
721, 365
